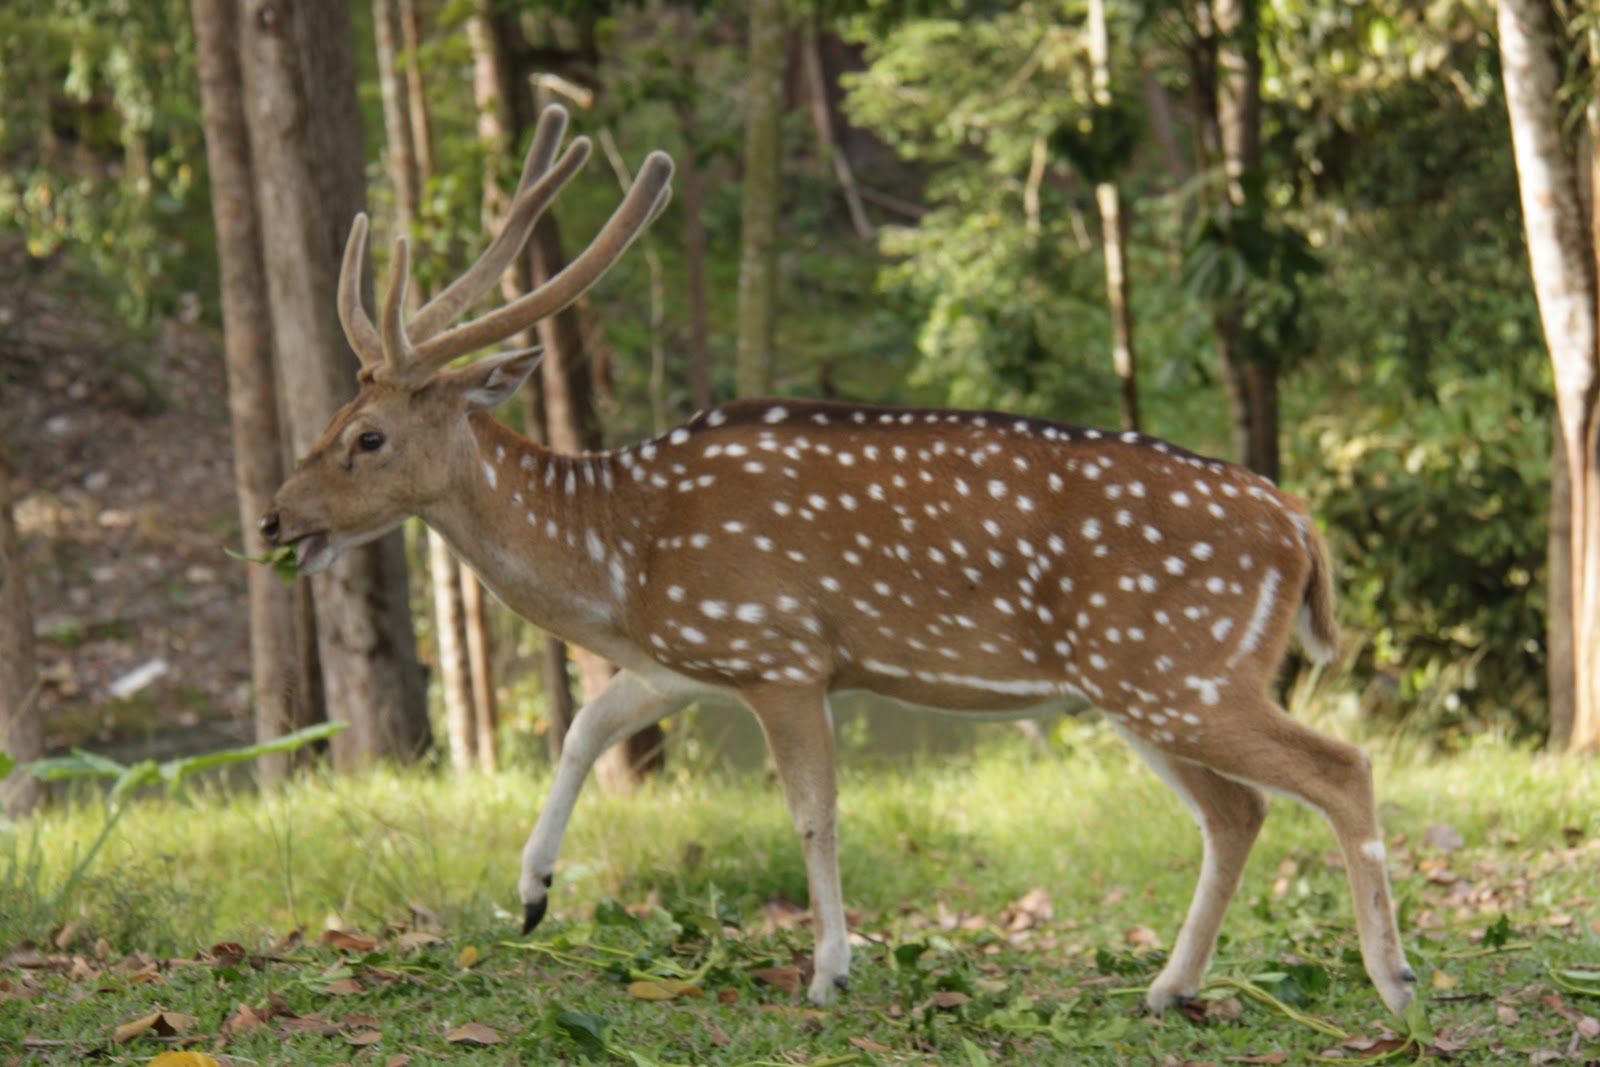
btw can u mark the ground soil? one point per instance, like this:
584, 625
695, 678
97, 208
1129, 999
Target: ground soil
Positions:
120, 443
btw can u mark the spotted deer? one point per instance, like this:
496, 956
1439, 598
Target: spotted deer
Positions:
774, 552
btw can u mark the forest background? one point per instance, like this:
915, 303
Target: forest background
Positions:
1285, 233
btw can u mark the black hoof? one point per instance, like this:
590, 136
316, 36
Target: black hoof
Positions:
533, 915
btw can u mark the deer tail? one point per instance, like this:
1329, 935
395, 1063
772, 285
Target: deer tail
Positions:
1316, 626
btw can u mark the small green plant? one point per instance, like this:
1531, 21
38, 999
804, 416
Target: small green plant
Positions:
22, 867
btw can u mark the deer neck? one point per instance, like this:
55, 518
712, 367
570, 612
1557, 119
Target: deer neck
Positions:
547, 533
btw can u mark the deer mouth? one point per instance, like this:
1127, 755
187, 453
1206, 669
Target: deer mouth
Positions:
313, 553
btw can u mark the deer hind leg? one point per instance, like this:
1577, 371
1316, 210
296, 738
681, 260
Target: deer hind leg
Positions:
1264, 747
1229, 814
625, 706
800, 736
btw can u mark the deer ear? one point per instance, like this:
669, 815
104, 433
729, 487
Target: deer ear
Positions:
492, 381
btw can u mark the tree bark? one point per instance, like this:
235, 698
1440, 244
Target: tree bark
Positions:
405, 123
571, 420
282, 697
305, 143
21, 728
1114, 236
1562, 257
691, 189
758, 257
1251, 379
828, 144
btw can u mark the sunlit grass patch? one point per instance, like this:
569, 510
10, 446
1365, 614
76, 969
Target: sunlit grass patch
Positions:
1010, 903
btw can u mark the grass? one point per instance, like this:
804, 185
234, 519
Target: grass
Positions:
674, 938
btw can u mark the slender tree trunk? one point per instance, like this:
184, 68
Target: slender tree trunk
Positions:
758, 258
571, 421
1114, 235
21, 728
405, 122
692, 190
281, 687
828, 145
1558, 603
305, 144
1562, 255
485, 710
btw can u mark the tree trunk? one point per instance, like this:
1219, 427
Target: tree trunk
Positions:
21, 728
1114, 235
455, 677
1561, 253
405, 123
1558, 602
305, 142
693, 193
828, 145
485, 712
1225, 75
1252, 381
571, 421
282, 696
758, 257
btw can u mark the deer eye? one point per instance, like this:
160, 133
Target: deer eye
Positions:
370, 441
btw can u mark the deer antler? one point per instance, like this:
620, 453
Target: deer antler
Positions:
414, 351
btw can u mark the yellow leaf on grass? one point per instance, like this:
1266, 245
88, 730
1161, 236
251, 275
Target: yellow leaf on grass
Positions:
130, 1030
662, 989
1444, 981
468, 956
183, 1059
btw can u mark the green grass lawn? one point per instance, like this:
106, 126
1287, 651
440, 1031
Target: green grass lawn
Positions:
1010, 905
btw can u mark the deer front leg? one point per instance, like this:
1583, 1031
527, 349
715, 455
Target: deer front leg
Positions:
625, 706
800, 736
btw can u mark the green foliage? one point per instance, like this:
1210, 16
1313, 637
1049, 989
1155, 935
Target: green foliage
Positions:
1440, 546
100, 142
22, 871
672, 971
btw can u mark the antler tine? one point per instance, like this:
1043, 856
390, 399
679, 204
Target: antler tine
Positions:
644, 201
546, 139
396, 345
519, 222
358, 328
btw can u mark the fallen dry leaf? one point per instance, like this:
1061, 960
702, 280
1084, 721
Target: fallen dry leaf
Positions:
662, 989
416, 939
242, 1021
1266, 1057
949, 998
1141, 937
785, 978
348, 942
346, 987
1441, 980
399, 1059
474, 1034
866, 1045
183, 1059
160, 1023
467, 957
363, 1038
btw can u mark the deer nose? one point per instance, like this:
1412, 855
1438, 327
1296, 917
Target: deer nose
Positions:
269, 527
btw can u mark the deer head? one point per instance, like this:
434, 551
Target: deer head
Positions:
399, 445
